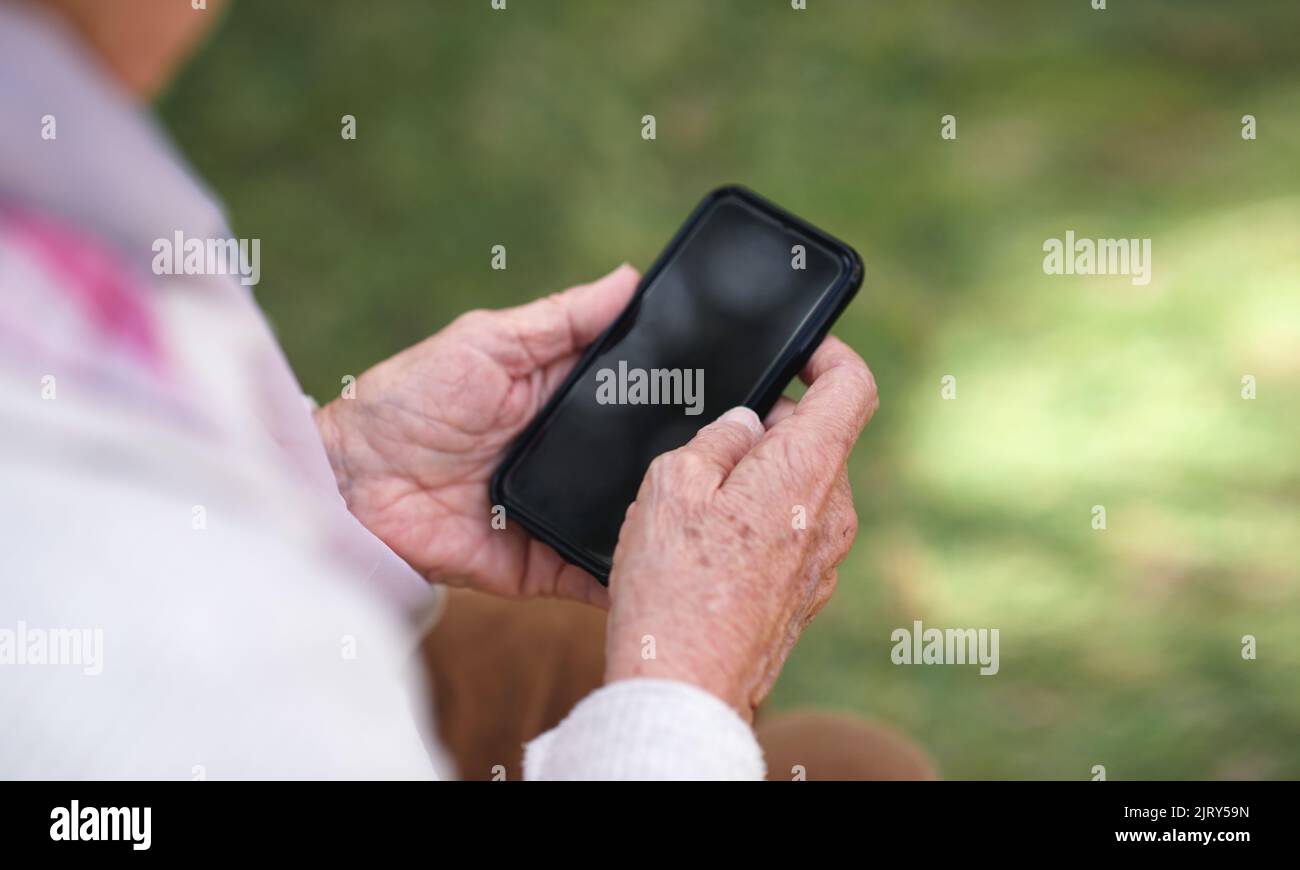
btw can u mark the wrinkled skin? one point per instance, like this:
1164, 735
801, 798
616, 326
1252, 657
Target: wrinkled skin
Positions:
710, 562
414, 450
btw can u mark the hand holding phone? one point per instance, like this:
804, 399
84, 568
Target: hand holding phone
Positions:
732, 544
414, 445
730, 311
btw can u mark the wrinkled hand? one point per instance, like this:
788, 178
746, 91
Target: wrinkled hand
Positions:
414, 450
712, 563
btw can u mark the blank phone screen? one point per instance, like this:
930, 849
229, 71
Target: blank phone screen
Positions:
712, 325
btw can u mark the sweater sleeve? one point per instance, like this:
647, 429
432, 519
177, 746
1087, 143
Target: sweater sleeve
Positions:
642, 729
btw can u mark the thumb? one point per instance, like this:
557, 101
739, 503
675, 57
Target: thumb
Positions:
563, 324
719, 446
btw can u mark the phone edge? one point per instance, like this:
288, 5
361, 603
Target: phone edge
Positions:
765, 394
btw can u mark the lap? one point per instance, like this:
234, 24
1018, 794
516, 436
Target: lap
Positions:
505, 671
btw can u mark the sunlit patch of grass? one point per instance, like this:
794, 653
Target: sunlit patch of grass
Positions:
1136, 406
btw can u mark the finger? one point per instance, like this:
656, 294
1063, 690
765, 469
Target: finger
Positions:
845, 517
590, 308
548, 574
564, 323
841, 398
576, 584
783, 408
821, 595
807, 448
714, 451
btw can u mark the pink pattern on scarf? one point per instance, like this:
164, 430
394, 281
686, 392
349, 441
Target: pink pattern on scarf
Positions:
96, 279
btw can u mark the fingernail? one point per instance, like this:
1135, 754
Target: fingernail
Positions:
745, 417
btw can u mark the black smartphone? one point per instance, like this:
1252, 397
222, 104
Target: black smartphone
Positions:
728, 315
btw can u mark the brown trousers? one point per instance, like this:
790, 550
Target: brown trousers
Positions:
505, 671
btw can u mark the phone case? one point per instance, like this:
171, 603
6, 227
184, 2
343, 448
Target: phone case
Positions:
761, 400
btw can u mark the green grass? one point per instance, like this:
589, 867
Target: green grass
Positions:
1119, 647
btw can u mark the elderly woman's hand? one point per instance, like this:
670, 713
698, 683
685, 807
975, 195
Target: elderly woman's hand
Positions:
414, 449
732, 544
728, 551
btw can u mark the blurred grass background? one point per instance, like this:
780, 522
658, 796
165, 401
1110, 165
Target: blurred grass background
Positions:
1118, 647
